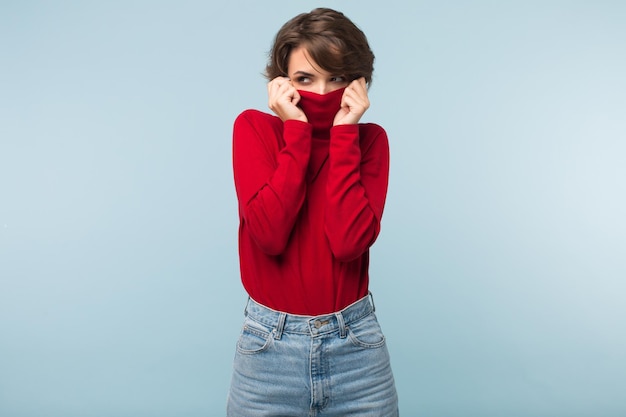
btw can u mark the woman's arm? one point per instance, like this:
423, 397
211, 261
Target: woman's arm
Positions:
357, 188
270, 179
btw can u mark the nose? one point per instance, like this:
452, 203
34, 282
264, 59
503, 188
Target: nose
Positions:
323, 88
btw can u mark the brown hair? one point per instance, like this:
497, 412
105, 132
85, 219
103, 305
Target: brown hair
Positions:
331, 39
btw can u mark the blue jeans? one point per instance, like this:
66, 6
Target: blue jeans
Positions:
331, 365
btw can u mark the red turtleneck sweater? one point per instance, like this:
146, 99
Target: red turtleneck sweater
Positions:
311, 198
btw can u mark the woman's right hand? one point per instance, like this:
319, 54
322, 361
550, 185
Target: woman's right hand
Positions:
283, 99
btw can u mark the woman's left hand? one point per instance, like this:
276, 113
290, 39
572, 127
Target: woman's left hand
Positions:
353, 103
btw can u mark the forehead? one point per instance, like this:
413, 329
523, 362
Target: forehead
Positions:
300, 60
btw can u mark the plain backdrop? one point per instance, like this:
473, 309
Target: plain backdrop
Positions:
499, 275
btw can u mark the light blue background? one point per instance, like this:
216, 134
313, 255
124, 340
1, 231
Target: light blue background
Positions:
499, 276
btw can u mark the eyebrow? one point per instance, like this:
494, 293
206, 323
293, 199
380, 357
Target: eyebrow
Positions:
306, 74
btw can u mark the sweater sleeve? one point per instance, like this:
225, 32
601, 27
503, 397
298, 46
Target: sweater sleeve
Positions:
357, 189
270, 178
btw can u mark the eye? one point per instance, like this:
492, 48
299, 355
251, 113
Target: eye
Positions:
338, 79
303, 80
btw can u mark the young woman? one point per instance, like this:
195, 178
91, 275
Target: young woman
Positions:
311, 184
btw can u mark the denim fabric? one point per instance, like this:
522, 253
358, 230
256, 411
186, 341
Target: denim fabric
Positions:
330, 365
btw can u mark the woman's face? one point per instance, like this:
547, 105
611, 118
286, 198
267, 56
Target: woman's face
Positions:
306, 75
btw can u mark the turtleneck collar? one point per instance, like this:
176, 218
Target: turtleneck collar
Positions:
320, 109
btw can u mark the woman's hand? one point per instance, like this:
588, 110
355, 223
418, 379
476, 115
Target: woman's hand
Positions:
283, 99
353, 103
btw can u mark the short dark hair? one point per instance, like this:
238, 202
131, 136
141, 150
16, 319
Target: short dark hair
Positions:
331, 39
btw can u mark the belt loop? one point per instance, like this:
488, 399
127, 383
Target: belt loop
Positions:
245, 310
280, 326
342, 325
372, 301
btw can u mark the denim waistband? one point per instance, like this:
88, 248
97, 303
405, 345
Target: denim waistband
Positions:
313, 325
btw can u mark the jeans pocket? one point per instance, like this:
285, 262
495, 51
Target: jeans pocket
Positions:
366, 333
255, 338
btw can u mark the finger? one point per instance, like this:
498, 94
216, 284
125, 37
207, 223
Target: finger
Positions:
281, 79
354, 102
360, 93
353, 97
279, 90
295, 99
350, 96
287, 92
275, 84
359, 85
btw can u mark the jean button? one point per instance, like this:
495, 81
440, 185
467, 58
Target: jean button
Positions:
317, 324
